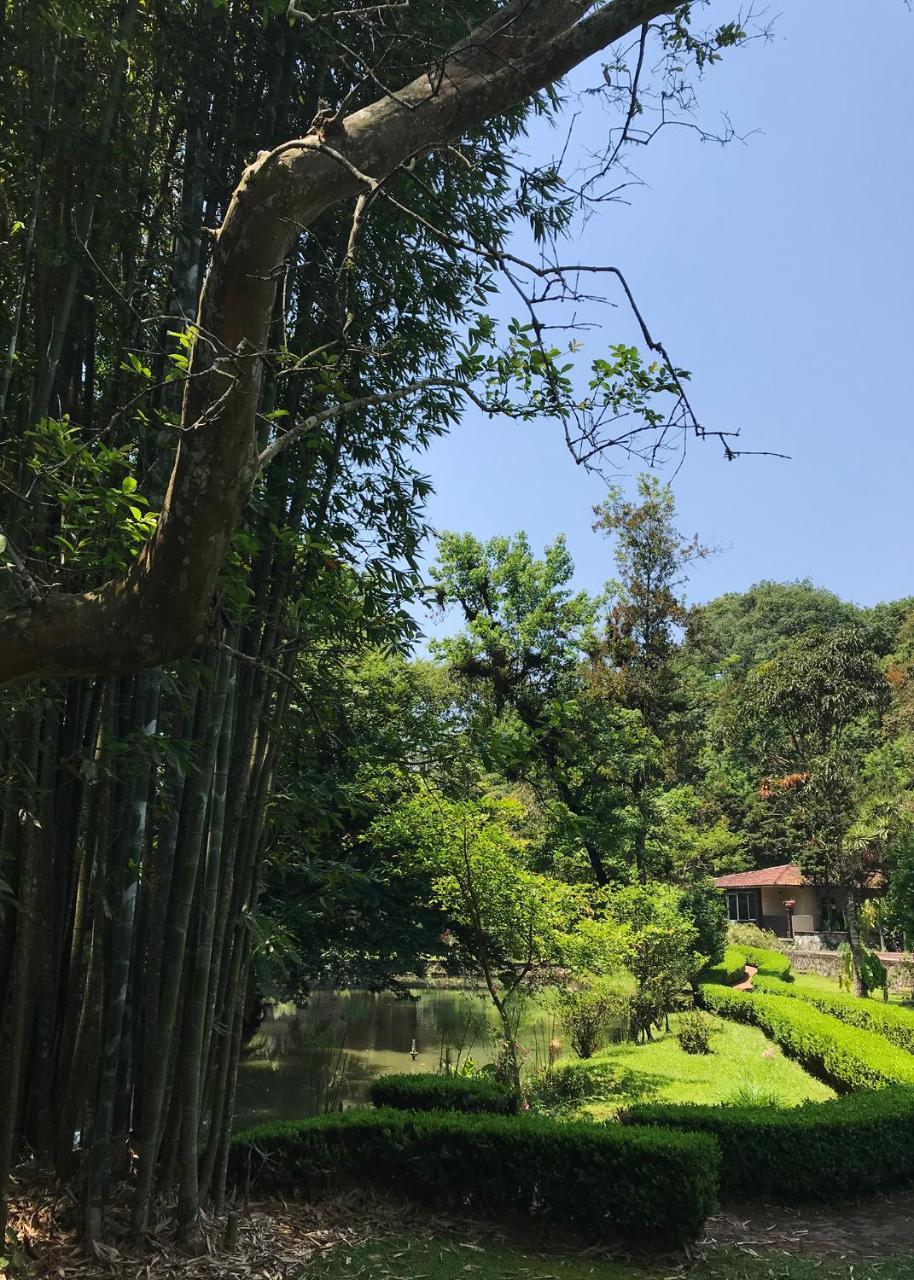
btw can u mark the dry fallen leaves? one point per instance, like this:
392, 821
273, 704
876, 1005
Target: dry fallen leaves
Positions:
273, 1241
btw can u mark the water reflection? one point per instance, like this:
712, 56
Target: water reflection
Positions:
304, 1061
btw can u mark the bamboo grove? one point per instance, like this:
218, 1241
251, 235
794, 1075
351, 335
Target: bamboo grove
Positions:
134, 810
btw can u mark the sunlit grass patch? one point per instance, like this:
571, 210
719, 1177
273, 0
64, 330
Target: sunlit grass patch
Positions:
742, 1066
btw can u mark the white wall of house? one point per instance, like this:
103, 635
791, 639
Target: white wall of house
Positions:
806, 914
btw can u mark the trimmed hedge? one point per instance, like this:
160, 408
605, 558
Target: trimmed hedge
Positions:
650, 1184
729, 971
424, 1091
821, 1151
892, 1021
732, 968
846, 1057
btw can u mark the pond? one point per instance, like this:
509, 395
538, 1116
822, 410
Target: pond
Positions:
303, 1061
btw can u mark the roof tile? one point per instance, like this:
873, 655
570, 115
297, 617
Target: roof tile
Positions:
788, 876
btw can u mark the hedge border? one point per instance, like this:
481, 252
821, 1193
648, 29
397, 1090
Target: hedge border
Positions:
818, 1152
896, 1024
654, 1185
821, 1151
732, 968
846, 1057
771, 964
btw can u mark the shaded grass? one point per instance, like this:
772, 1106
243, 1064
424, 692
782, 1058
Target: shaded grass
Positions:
741, 1059
448, 1258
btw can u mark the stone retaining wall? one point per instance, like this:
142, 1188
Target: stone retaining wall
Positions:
828, 965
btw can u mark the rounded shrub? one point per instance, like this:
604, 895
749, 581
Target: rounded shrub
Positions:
694, 1031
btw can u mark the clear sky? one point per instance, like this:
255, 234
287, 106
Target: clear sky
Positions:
781, 273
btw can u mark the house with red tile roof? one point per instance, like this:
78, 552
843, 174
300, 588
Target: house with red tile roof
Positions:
781, 899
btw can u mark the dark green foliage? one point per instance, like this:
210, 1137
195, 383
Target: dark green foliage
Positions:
846, 1057
658, 1186
564, 1087
892, 1021
694, 1031
425, 1091
821, 1151
707, 910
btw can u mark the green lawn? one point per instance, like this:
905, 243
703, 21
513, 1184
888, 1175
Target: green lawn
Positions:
741, 1058
815, 982
444, 1258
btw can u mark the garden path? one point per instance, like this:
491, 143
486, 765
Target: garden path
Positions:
746, 984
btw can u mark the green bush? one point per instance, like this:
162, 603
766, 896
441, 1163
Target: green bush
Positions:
750, 935
693, 1031
846, 1057
562, 1088
732, 969
423, 1091
892, 1021
821, 1151
591, 1011
653, 1185
707, 910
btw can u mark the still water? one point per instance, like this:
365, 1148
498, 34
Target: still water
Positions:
307, 1060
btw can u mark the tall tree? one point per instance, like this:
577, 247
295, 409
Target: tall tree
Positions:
814, 712
135, 811
647, 608
527, 656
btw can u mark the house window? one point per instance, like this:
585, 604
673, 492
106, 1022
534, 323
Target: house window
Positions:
742, 906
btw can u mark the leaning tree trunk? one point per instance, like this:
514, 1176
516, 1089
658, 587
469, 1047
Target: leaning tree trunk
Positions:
158, 609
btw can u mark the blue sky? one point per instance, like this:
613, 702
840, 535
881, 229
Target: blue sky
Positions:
781, 273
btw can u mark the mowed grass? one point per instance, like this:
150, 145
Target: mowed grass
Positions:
446, 1258
742, 1059
829, 986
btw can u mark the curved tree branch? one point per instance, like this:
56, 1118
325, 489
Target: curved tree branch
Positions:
158, 610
